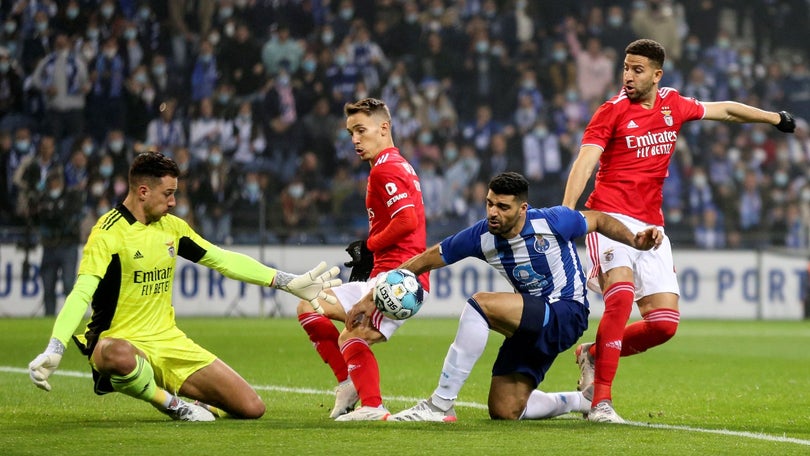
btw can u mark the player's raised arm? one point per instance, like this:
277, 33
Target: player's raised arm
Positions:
581, 171
732, 111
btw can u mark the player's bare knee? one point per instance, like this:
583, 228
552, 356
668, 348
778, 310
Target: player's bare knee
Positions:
114, 356
501, 411
255, 409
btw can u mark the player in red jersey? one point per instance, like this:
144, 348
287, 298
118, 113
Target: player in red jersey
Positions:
396, 219
632, 136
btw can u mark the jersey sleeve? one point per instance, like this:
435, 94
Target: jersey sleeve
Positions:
566, 222
600, 129
98, 252
466, 243
691, 108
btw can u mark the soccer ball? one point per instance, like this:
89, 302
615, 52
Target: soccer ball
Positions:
398, 294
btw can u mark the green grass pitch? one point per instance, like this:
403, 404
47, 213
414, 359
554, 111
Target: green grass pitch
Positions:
719, 387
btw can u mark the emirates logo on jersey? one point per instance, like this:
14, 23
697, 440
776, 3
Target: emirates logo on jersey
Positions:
652, 144
666, 111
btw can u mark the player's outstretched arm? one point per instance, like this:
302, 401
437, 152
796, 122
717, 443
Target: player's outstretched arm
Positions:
580, 173
311, 285
732, 111
72, 313
605, 224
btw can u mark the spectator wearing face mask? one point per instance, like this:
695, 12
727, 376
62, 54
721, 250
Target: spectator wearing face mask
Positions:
59, 216
62, 79
11, 93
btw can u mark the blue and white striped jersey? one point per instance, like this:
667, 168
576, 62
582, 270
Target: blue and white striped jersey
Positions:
541, 261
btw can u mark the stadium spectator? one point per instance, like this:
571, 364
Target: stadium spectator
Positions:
166, 132
63, 80
12, 101
240, 62
126, 354
213, 185
626, 275
204, 73
30, 177
282, 51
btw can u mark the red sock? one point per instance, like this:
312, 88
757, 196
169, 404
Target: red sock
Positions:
363, 370
618, 305
324, 337
656, 327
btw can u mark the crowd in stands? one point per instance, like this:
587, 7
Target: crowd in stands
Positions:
247, 97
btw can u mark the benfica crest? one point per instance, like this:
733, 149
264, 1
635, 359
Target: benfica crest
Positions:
170, 246
667, 113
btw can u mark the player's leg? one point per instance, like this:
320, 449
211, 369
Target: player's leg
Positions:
324, 337
526, 356
222, 387
658, 284
132, 374
364, 371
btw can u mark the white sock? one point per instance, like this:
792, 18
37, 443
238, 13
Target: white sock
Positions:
543, 405
469, 345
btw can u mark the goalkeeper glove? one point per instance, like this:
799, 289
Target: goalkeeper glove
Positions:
310, 285
786, 123
362, 261
43, 365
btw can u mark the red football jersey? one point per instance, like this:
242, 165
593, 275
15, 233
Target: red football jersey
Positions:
392, 186
637, 146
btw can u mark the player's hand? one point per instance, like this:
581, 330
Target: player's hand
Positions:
786, 123
42, 367
360, 311
311, 285
362, 261
650, 238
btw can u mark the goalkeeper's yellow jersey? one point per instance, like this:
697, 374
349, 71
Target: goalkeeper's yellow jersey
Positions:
136, 263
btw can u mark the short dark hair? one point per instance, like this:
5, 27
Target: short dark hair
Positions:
368, 106
648, 48
152, 166
510, 183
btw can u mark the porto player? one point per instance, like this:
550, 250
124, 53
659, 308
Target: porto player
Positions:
632, 136
397, 232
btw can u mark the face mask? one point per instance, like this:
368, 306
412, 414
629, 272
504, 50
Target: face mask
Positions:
223, 98
87, 149
72, 12
205, 58
159, 70
42, 26
327, 38
130, 34
541, 132
405, 113
426, 137
559, 55
780, 179
528, 85
214, 39
141, 78
225, 12
450, 154
252, 188
615, 21
747, 59
481, 47
101, 210
309, 65
105, 170
55, 193
230, 29
107, 11
181, 211
97, 189
296, 191
346, 13
572, 95
699, 181
432, 93
88, 54
92, 34
411, 18
22, 145
758, 138
340, 60
109, 53
144, 13
4, 66
215, 159
285, 80
10, 27
116, 145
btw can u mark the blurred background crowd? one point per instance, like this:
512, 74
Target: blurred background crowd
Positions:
247, 97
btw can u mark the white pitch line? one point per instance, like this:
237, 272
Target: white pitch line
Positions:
287, 389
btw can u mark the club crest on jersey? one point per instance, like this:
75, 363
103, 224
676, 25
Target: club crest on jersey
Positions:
608, 255
541, 244
666, 111
170, 246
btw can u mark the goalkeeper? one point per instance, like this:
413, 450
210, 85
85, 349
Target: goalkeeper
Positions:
132, 340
